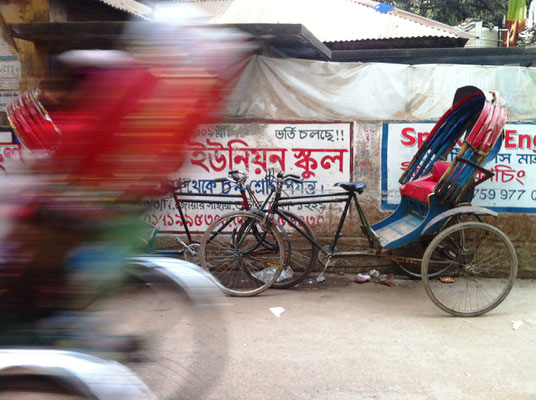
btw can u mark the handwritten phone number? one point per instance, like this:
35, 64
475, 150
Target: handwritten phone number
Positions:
504, 194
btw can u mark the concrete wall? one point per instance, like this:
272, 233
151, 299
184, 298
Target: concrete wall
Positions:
374, 94
365, 164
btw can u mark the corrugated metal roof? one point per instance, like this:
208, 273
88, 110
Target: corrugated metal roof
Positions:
130, 6
329, 21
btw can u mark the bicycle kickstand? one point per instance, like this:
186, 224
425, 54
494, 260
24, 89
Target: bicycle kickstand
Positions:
320, 278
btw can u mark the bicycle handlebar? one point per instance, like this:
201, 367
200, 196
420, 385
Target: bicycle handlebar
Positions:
174, 184
293, 179
282, 177
234, 176
238, 176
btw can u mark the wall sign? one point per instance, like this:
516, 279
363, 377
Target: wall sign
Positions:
511, 189
320, 153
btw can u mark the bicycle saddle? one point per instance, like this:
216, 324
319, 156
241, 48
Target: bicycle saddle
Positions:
358, 187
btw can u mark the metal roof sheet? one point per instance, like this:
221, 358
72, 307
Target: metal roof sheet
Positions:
329, 21
130, 6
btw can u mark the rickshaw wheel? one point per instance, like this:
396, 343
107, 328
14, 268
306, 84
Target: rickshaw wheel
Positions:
409, 258
478, 266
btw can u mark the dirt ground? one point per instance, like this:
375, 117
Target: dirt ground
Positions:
341, 340
369, 341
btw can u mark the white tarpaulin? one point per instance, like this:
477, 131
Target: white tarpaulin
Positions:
281, 89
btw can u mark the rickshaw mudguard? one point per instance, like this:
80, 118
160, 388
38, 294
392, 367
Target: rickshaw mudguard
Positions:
457, 211
89, 375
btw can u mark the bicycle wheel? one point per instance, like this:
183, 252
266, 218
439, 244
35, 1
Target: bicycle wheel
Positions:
478, 263
183, 352
38, 388
244, 255
303, 254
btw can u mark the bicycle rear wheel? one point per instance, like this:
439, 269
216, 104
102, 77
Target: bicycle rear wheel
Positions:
243, 254
478, 264
303, 254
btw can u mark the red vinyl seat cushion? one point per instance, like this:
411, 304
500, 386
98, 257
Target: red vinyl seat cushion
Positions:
419, 189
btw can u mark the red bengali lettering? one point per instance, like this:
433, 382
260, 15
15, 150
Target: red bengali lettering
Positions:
305, 162
308, 163
209, 219
213, 156
167, 219
505, 174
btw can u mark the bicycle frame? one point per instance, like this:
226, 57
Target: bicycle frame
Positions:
248, 197
187, 232
346, 197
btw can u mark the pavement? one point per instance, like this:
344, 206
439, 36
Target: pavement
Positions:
338, 341
368, 341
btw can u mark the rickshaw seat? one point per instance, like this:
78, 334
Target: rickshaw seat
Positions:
431, 185
419, 189
481, 118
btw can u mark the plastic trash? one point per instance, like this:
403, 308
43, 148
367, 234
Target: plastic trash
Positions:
287, 273
277, 311
362, 278
320, 278
265, 275
374, 273
516, 324
386, 282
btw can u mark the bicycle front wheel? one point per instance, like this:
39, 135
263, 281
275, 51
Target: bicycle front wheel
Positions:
243, 254
303, 254
478, 266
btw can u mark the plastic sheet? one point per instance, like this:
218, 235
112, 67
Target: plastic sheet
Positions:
292, 89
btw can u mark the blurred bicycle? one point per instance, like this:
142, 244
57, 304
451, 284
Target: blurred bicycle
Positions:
97, 137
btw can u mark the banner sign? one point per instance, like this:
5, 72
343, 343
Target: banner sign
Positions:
10, 73
7, 98
511, 189
9, 152
320, 153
